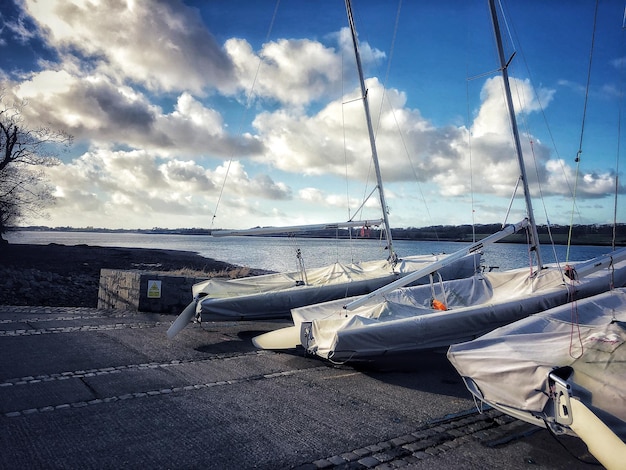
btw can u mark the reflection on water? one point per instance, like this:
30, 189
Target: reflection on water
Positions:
279, 254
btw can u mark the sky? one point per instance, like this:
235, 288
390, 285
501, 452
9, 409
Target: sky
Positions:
241, 113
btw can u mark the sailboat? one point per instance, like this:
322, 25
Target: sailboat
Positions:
272, 296
563, 369
397, 319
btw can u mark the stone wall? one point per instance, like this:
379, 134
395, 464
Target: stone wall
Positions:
142, 291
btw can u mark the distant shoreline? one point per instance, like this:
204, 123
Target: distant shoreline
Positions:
592, 235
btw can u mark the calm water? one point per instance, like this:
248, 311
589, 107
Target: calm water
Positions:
278, 254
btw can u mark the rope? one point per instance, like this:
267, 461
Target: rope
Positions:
391, 49
380, 112
545, 210
508, 210
395, 118
574, 320
345, 162
551, 135
619, 134
469, 151
582, 129
244, 114
345, 146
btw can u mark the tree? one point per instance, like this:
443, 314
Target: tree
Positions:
24, 153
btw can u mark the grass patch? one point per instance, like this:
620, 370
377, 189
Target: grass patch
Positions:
231, 273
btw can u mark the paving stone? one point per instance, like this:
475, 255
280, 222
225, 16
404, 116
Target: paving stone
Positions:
323, 463
369, 462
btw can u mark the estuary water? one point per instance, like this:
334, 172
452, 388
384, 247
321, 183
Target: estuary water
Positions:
279, 254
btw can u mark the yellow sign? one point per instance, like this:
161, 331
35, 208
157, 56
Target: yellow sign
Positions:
154, 289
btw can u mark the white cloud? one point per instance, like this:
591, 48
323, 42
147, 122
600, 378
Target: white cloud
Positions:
115, 58
295, 72
299, 143
94, 108
283, 75
368, 54
126, 187
162, 45
493, 117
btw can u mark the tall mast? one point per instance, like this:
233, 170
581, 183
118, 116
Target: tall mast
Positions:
370, 129
518, 147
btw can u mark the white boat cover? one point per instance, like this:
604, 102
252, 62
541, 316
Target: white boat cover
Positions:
509, 367
404, 321
274, 295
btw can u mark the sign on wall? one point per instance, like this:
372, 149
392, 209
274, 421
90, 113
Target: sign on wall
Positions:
154, 289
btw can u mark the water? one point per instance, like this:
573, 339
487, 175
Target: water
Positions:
278, 254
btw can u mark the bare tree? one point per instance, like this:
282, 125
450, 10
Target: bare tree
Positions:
24, 152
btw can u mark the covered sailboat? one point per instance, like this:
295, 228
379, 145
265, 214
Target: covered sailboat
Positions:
408, 319
398, 319
274, 295
564, 369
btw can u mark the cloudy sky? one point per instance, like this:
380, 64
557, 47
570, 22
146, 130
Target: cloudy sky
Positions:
240, 113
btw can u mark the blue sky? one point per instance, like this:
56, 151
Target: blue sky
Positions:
167, 100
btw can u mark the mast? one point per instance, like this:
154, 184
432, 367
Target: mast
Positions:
370, 129
518, 147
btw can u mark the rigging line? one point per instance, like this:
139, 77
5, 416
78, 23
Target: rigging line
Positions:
619, 140
365, 199
245, 113
391, 50
508, 211
345, 150
408, 157
395, 117
556, 150
508, 29
528, 134
469, 155
519, 177
545, 209
543, 114
345, 157
363, 97
372, 137
582, 129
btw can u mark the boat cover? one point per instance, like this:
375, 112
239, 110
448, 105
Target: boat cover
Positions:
509, 367
404, 321
274, 295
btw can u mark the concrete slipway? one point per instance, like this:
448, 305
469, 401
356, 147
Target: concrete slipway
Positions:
98, 389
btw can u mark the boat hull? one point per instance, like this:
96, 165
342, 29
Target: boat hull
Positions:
404, 321
583, 343
273, 296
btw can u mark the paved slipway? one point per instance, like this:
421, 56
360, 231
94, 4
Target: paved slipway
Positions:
95, 389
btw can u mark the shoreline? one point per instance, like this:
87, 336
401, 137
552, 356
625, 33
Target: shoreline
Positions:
57, 275
584, 235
